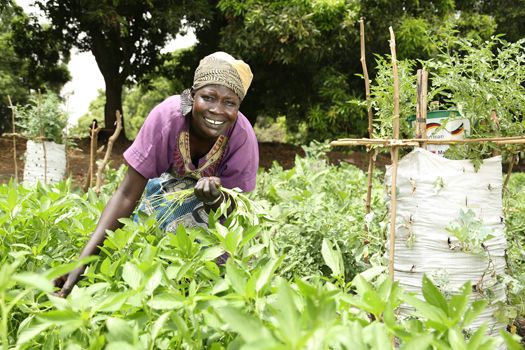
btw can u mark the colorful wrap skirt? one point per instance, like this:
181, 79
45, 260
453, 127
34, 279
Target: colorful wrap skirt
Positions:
171, 213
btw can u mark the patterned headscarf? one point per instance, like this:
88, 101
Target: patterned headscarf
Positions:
222, 69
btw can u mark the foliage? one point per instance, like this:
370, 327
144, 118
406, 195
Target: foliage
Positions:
152, 290
315, 201
138, 101
124, 36
480, 80
469, 231
43, 117
515, 225
29, 61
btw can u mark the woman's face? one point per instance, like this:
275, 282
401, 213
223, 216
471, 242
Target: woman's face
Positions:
215, 109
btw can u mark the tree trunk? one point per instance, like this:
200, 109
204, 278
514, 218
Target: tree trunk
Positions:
113, 104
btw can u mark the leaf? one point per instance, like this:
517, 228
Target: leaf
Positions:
332, 258
248, 327
30, 332
158, 326
235, 276
418, 342
433, 295
153, 281
119, 329
473, 311
132, 275
34, 280
166, 301
61, 270
267, 272
456, 340
511, 341
211, 253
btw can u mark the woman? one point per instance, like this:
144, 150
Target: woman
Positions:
197, 139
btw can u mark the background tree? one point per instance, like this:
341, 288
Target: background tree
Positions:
29, 60
124, 36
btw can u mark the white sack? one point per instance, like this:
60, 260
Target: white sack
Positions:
431, 192
35, 162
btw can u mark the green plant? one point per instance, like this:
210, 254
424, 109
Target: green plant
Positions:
43, 118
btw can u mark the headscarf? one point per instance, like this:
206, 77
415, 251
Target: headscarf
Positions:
222, 69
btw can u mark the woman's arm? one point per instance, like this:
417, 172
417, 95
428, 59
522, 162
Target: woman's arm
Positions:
121, 205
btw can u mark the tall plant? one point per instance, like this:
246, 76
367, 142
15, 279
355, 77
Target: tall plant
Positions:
43, 118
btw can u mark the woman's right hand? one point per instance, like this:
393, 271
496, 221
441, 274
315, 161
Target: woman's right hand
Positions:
68, 281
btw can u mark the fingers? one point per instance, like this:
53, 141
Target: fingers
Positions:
207, 190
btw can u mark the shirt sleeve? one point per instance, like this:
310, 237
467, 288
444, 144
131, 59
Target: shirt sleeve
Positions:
150, 153
241, 164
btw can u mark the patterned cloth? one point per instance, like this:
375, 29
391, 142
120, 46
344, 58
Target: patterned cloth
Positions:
171, 214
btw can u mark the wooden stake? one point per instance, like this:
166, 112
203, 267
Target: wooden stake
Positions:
415, 142
395, 157
92, 155
371, 152
111, 141
14, 136
421, 106
509, 171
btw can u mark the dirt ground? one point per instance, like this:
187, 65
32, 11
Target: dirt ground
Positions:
78, 157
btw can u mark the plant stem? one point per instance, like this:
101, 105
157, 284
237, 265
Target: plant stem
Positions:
3, 327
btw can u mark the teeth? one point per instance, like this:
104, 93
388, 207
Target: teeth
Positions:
214, 122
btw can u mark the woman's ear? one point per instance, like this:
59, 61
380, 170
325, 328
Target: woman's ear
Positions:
192, 93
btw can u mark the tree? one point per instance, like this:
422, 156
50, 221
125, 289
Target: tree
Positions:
124, 36
30, 61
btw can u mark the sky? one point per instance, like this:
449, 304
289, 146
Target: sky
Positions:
86, 77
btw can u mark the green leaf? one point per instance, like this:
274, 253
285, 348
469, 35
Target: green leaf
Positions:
248, 327
456, 340
30, 332
511, 341
120, 330
433, 295
332, 257
158, 326
166, 301
418, 342
267, 272
34, 280
132, 275
235, 276
473, 311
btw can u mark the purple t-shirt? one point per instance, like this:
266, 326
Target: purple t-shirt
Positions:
153, 151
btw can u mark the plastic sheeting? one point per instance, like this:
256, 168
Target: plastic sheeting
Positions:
36, 164
431, 193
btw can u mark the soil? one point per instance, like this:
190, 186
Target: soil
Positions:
78, 157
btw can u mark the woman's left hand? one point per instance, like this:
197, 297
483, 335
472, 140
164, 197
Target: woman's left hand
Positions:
207, 190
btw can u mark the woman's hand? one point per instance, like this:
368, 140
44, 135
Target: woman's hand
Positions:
208, 191
68, 281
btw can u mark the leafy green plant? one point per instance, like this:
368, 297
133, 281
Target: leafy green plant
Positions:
43, 118
470, 232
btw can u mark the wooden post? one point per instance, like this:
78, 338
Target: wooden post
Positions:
509, 171
92, 154
421, 106
14, 136
395, 157
371, 151
111, 141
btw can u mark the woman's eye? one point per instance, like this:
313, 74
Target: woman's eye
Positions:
230, 104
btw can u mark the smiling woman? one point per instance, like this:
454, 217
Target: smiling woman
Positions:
189, 146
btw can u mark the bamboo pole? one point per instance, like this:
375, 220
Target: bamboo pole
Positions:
416, 142
14, 135
395, 157
371, 152
42, 137
421, 106
92, 154
111, 141
509, 171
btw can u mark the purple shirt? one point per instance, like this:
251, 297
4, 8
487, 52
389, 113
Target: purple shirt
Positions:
152, 152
